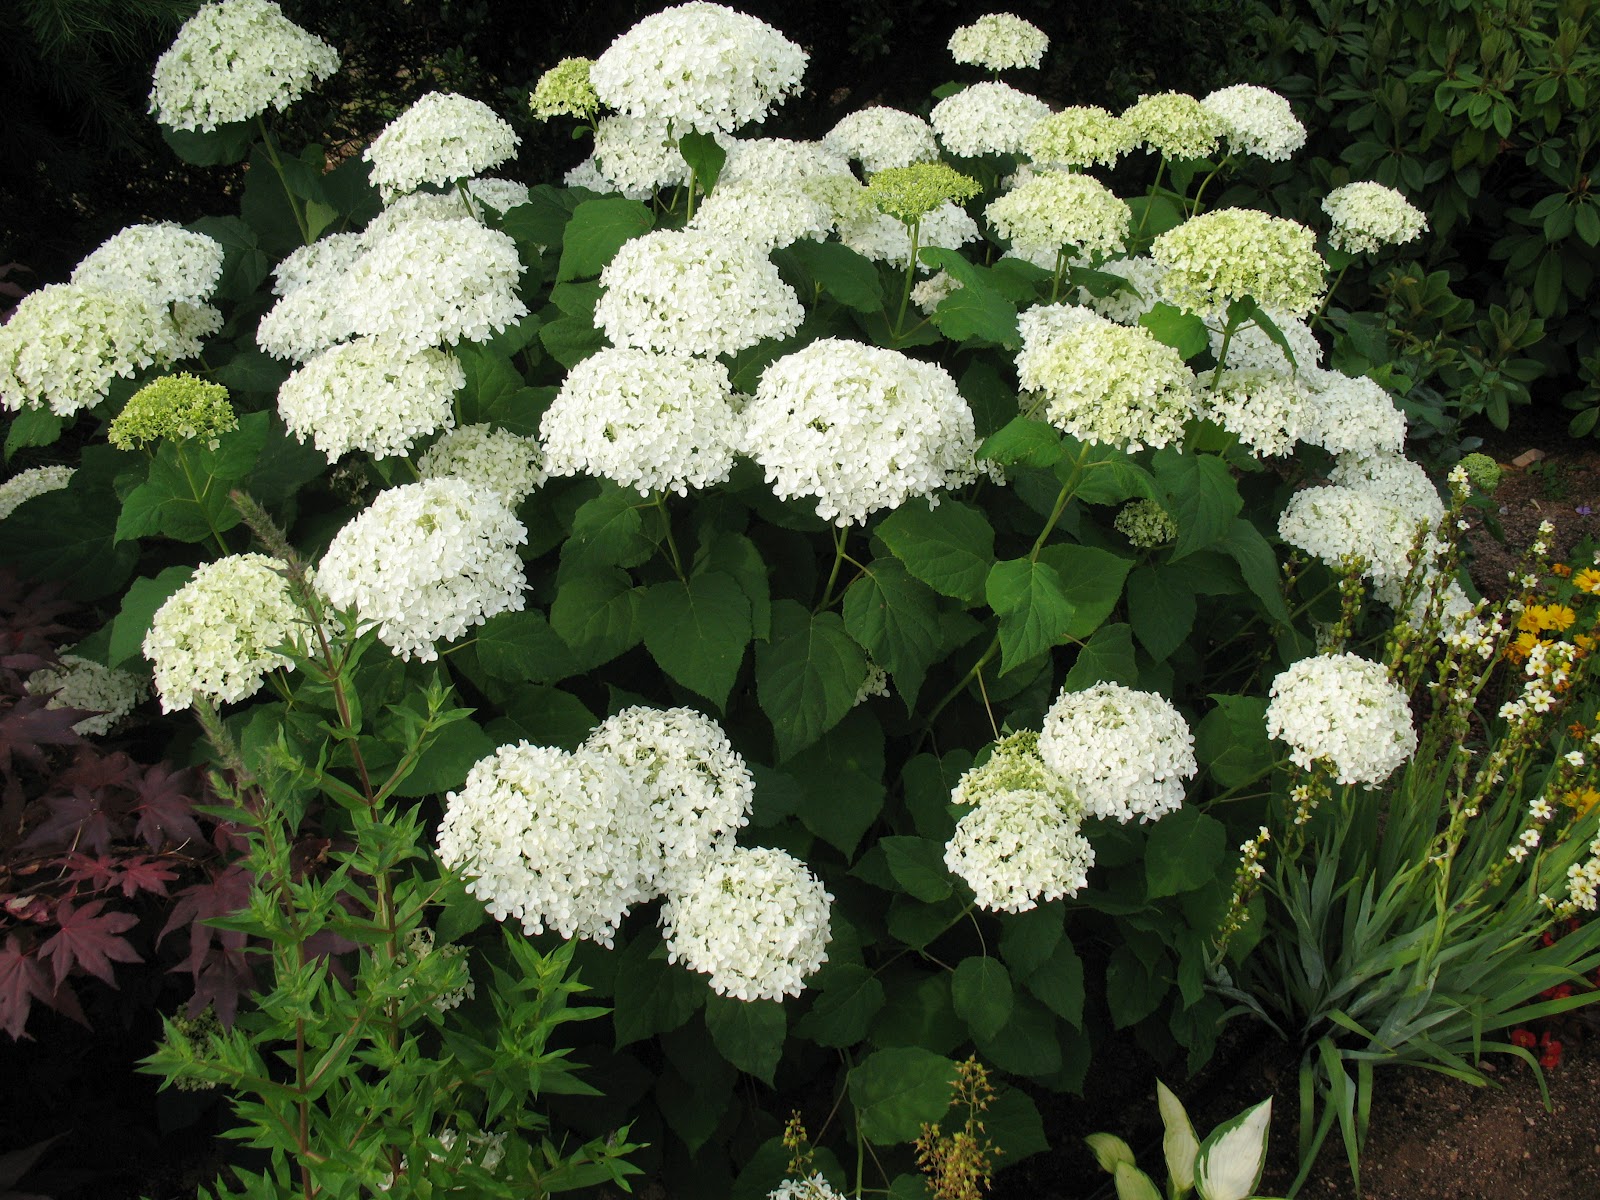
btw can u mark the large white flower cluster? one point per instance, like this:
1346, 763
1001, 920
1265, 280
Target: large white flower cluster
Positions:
1082, 135
1173, 125
1374, 509
765, 215
1368, 215
441, 138
214, 637
1061, 208
1022, 842
1391, 479
1127, 305
999, 41
469, 198
643, 419
35, 481
858, 427
634, 157
879, 138
370, 395
882, 238
556, 840
1345, 710
165, 262
77, 682
234, 60
687, 292
313, 310
695, 784
1256, 120
781, 160
507, 464
425, 561
1229, 254
1104, 382
755, 920
323, 263
1266, 409
1124, 753
1351, 415
698, 67
66, 342
987, 118
1253, 348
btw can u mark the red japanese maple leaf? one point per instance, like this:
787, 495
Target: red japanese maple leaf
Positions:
80, 819
166, 808
22, 981
88, 939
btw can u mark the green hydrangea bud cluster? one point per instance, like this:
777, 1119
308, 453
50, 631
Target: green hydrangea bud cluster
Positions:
1483, 473
565, 90
1146, 524
177, 407
910, 193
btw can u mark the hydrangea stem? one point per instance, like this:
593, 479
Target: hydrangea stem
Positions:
915, 229
295, 206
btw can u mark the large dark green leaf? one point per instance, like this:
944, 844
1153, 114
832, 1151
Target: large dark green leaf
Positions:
807, 676
609, 531
1161, 608
1201, 497
1034, 612
917, 865
1184, 332
950, 548
1231, 740
981, 988
69, 534
896, 618
697, 631
1106, 658
749, 1033
897, 1091
1091, 581
1023, 440
842, 1011
447, 759
597, 615
521, 647
597, 230
1186, 850
139, 605
1058, 981
1259, 566
834, 269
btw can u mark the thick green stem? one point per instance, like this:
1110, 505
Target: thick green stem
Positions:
840, 534
1061, 269
1194, 207
915, 229
295, 205
1150, 198
1322, 311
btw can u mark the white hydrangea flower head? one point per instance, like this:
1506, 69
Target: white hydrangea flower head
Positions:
232, 61
1333, 523
646, 420
309, 319
66, 342
1019, 848
1062, 208
635, 157
35, 481
879, 138
415, 206
1252, 348
696, 785
370, 395
1256, 120
1229, 254
1126, 305
698, 67
766, 216
1266, 409
755, 920
555, 840
1079, 136
1368, 215
1392, 479
780, 160
436, 283
1174, 125
191, 324
816, 1187
426, 561
858, 427
1124, 753
1103, 382
76, 682
502, 195
987, 118
809, 183
1351, 415
930, 292
999, 41
324, 261
587, 174
163, 262
688, 292
215, 636
882, 238
508, 464
441, 138
1343, 709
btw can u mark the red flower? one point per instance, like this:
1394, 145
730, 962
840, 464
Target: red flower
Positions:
1524, 1038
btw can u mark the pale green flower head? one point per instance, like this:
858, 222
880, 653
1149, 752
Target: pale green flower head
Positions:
1013, 765
1234, 253
1482, 472
1081, 136
1146, 524
176, 407
910, 193
565, 90
1174, 125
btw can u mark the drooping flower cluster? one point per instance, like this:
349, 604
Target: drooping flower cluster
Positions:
507, 464
643, 419
1174, 125
755, 920
441, 138
1368, 215
1343, 709
1021, 843
77, 682
879, 137
35, 481
1104, 382
1256, 120
232, 61
425, 561
1080, 136
698, 67
565, 90
1124, 753
369, 395
163, 262
858, 427
1061, 208
687, 292
987, 118
1229, 254
214, 637
999, 41
176, 408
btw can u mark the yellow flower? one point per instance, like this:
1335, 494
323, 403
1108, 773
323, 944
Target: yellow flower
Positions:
1538, 618
1588, 580
1519, 649
1582, 799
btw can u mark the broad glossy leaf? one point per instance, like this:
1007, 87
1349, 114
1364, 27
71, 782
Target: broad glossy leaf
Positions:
950, 548
807, 676
981, 989
597, 230
896, 1091
1201, 497
697, 631
1034, 611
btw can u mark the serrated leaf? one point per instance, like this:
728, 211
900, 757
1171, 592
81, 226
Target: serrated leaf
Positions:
697, 631
1133, 992
609, 531
950, 548
1231, 740
1107, 657
749, 1033
1185, 850
841, 777
597, 230
1259, 566
68, 534
974, 313
570, 340
896, 1091
981, 989
1058, 982
1027, 1044
521, 647
705, 157
1201, 497
545, 716
651, 996
597, 615
895, 617
1028, 939
842, 1012
1023, 440
1184, 332
217, 147
807, 676
1034, 612
1161, 608
1091, 581
917, 865
33, 427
